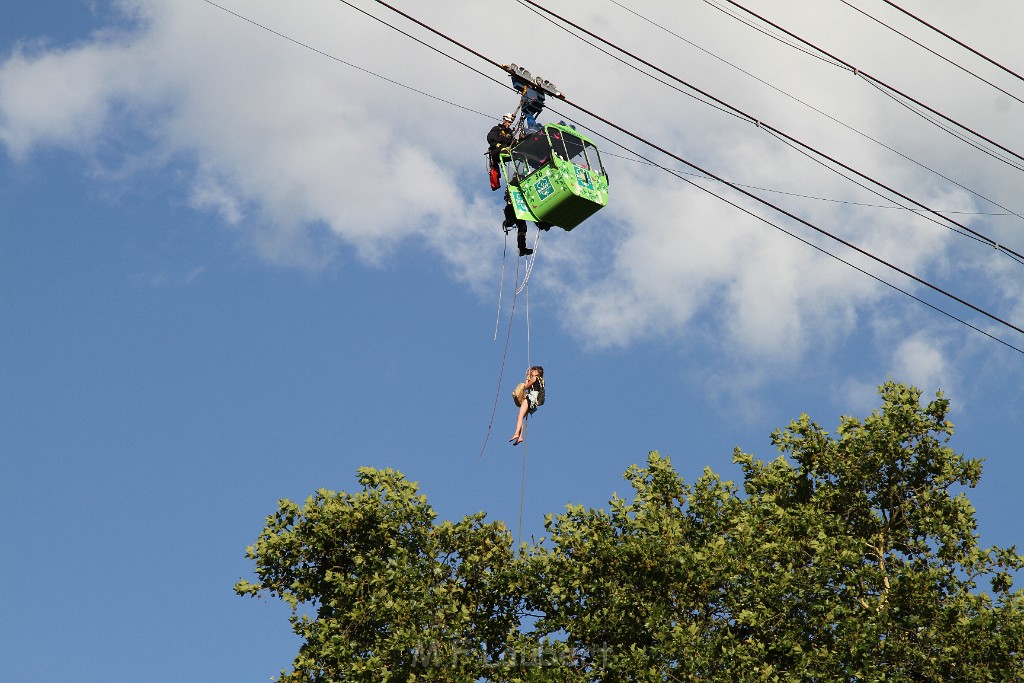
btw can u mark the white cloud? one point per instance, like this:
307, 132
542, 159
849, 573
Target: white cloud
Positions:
208, 193
860, 397
60, 97
921, 361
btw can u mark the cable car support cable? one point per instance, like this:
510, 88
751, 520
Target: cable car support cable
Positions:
928, 49
868, 77
961, 44
769, 127
795, 99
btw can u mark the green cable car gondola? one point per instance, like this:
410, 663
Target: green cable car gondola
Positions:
554, 175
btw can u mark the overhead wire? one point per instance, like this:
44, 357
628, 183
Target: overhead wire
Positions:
925, 47
342, 61
419, 23
813, 108
761, 124
781, 38
821, 199
597, 47
946, 127
868, 77
925, 216
961, 44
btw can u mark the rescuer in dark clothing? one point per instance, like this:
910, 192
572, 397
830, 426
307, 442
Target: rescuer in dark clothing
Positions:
499, 137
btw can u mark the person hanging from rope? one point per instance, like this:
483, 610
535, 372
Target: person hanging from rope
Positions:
498, 138
528, 396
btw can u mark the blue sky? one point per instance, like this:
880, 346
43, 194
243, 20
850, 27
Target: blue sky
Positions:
233, 270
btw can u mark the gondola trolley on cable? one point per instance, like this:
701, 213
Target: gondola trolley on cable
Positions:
553, 172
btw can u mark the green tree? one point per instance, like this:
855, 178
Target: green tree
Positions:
395, 596
849, 557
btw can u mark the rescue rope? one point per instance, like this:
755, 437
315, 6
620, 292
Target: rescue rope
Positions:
501, 372
501, 285
529, 363
522, 487
526, 420
520, 287
508, 334
529, 266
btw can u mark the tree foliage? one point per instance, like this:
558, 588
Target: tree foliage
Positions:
851, 556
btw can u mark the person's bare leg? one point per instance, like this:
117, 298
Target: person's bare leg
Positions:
518, 436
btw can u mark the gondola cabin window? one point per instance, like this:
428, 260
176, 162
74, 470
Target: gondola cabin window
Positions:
576, 151
530, 154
